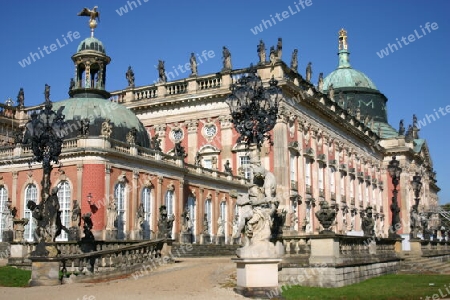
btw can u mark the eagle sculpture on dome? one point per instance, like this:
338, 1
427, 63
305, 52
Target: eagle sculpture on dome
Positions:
93, 14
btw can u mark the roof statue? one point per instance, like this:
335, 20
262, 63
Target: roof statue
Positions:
294, 60
308, 72
320, 83
261, 52
401, 129
193, 64
279, 48
226, 56
93, 15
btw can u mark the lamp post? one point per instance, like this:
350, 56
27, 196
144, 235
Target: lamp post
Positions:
395, 171
415, 218
43, 132
253, 107
417, 186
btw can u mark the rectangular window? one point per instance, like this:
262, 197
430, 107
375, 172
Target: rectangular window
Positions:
207, 163
293, 167
332, 185
342, 183
352, 187
244, 163
320, 170
307, 172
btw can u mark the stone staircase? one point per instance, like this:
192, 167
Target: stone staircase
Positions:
198, 250
424, 265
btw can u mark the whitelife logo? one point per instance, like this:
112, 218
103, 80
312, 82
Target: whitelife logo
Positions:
34, 56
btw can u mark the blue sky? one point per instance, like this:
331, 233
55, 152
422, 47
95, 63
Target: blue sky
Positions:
414, 77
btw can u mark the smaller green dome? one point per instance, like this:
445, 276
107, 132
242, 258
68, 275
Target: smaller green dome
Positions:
91, 43
348, 77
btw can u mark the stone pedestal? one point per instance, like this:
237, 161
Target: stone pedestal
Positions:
74, 233
205, 238
45, 273
18, 251
7, 236
256, 277
325, 250
416, 247
236, 241
220, 240
137, 234
111, 234
186, 238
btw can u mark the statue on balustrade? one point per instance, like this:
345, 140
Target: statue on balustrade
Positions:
226, 56
193, 63
261, 52
156, 143
130, 76
106, 128
368, 223
162, 72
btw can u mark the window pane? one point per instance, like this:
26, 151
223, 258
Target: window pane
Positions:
30, 195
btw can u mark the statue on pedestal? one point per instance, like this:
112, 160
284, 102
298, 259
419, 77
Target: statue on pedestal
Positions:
220, 226
165, 223
162, 72
258, 211
111, 215
140, 214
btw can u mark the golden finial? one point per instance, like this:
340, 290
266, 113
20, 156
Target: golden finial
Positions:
93, 15
342, 39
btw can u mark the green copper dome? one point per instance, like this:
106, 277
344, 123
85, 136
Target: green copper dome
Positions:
91, 43
97, 109
347, 77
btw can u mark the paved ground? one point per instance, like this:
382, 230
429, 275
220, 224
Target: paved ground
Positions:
191, 278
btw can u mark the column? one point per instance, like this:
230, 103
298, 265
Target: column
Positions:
134, 200
280, 156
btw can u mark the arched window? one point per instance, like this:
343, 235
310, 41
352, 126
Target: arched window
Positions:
170, 206
120, 196
3, 199
191, 206
208, 212
169, 202
30, 195
64, 196
147, 202
223, 216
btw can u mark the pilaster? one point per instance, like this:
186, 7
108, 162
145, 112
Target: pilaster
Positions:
280, 156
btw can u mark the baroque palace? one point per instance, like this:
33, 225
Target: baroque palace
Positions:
128, 152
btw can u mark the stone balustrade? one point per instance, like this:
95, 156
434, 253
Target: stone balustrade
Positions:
434, 247
106, 259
